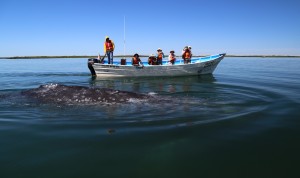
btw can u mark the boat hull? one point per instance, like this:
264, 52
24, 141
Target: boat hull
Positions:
198, 66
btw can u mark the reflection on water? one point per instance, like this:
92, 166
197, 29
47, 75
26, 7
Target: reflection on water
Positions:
158, 85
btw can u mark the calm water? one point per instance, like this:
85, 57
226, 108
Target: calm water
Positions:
242, 121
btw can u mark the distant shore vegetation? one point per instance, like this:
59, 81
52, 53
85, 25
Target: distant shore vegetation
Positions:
128, 56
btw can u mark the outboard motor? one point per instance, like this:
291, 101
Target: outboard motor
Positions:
91, 61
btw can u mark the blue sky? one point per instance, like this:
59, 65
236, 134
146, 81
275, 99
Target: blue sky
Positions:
57, 27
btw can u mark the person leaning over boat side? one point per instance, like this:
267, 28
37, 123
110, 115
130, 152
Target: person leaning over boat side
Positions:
159, 56
109, 48
152, 60
172, 57
136, 61
187, 56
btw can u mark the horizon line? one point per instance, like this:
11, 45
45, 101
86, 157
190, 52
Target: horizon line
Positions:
95, 56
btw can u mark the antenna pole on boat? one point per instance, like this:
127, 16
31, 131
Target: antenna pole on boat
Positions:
123, 60
124, 38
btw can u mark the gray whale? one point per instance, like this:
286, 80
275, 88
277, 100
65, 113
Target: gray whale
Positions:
63, 94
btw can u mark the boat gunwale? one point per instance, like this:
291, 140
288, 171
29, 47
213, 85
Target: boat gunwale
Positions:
165, 63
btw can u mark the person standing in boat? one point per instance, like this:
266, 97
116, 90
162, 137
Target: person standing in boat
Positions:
152, 60
172, 57
109, 48
159, 56
136, 61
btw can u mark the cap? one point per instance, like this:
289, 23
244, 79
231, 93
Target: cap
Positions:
158, 49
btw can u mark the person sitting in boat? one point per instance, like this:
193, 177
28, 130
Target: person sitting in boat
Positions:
172, 57
159, 56
187, 56
136, 61
152, 60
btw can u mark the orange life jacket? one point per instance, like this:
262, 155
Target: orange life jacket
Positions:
159, 56
109, 46
152, 61
135, 61
187, 55
172, 57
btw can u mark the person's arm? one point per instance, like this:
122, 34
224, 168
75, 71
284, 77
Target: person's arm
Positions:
104, 48
113, 44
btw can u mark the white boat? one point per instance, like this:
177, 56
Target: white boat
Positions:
198, 66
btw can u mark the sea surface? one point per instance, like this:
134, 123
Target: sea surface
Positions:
242, 121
